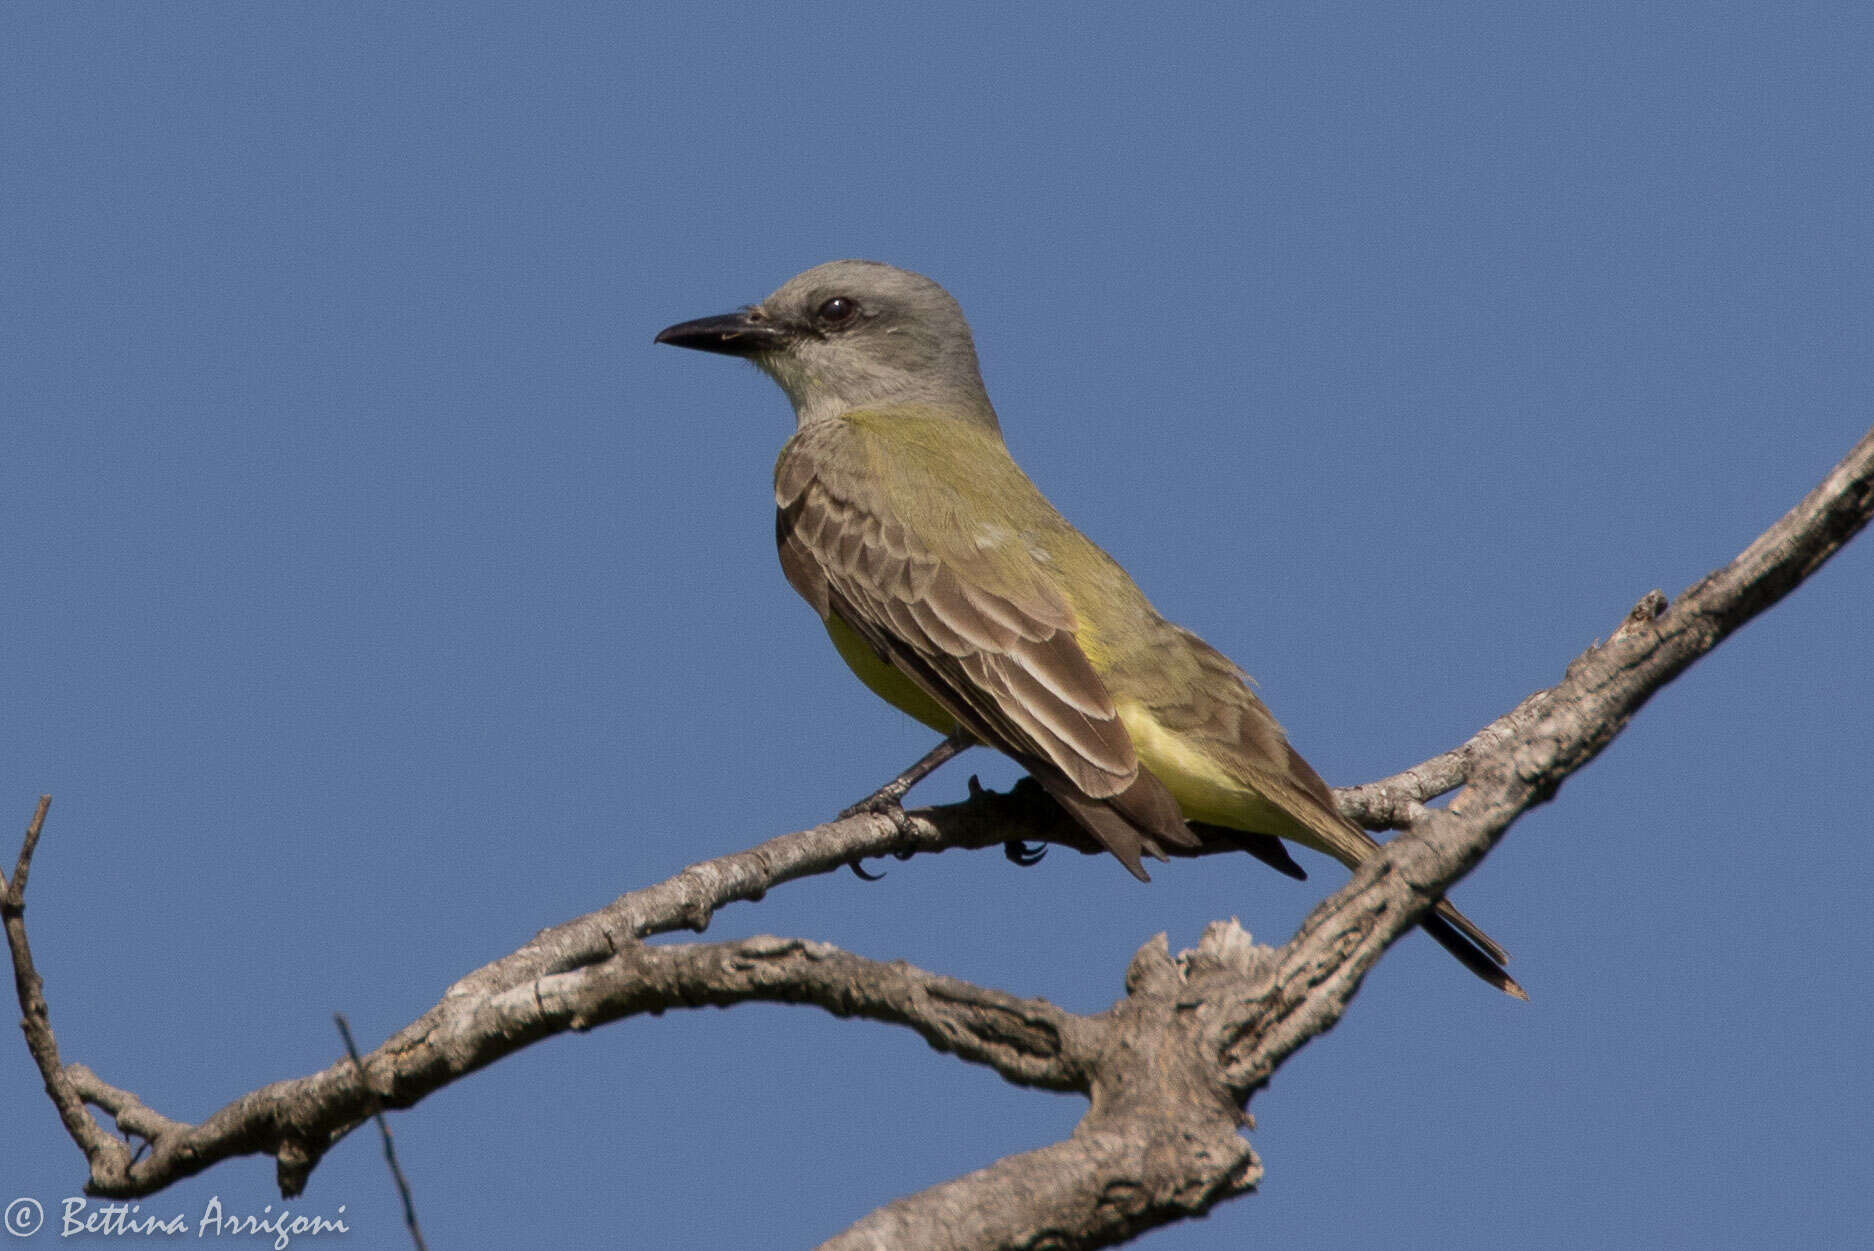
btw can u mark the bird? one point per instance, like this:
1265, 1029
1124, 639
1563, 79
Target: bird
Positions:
955, 591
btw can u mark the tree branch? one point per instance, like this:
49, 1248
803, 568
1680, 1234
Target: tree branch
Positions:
1167, 1069
1520, 761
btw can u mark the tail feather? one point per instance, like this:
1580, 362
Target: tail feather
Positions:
1472, 947
1468, 928
1265, 847
1143, 821
1351, 845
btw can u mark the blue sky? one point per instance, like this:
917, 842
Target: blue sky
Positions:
378, 594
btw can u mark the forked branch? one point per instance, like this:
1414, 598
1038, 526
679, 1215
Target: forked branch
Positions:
1167, 1069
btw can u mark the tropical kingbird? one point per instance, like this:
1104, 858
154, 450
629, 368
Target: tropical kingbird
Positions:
957, 593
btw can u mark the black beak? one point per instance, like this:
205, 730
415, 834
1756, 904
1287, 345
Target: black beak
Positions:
744, 333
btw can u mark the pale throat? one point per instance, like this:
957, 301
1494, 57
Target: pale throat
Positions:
820, 394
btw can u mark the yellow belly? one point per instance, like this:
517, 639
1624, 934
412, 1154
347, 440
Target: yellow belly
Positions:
1205, 789
887, 683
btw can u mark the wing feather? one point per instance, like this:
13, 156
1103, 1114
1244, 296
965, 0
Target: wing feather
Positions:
992, 644
1218, 708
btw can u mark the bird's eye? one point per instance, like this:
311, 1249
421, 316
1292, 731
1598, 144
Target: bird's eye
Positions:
837, 311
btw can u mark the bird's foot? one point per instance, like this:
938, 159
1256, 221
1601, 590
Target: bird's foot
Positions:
1023, 853
888, 800
883, 803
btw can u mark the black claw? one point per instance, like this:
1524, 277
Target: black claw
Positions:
891, 811
1027, 855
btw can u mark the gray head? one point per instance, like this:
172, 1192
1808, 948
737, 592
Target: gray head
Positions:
854, 334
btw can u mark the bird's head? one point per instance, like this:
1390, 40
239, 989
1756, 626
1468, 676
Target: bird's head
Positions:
852, 335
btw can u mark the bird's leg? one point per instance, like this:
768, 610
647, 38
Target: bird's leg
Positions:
890, 796
888, 800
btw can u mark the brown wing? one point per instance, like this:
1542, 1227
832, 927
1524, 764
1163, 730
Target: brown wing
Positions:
997, 652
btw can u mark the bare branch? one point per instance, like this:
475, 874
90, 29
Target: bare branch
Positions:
36, 1017
1100, 1187
1030, 1042
1167, 1068
1521, 760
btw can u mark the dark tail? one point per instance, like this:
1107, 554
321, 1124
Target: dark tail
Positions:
1457, 934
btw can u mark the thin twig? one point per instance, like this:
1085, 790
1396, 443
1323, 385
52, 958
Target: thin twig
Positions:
383, 1128
15, 890
35, 1015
